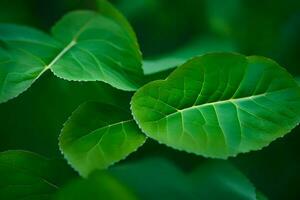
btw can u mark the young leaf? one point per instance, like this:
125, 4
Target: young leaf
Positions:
86, 46
219, 105
98, 135
28, 176
98, 185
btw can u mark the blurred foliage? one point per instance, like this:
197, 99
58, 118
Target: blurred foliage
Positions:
156, 178
99, 185
267, 27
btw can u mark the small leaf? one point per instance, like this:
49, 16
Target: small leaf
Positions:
36, 117
98, 185
28, 176
98, 135
219, 105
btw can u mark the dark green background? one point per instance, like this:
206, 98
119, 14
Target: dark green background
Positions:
254, 27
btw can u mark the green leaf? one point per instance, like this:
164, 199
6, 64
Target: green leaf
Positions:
24, 53
178, 57
221, 180
86, 46
28, 176
35, 118
98, 135
96, 48
107, 9
97, 186
219, 105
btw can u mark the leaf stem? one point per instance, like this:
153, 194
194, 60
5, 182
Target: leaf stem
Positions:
63, 52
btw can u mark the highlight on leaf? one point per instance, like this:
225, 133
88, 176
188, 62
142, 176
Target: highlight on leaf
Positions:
97, 135
219, 105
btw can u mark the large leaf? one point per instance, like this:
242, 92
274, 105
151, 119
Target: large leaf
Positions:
98, 135
86, 46
28, 176
97, 186
219, 105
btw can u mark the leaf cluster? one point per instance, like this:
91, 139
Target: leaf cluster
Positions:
215, 105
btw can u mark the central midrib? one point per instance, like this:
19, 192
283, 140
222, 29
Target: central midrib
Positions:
101, 128
220, 102
68, 47
61, 54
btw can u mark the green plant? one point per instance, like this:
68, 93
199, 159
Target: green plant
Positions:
215, 105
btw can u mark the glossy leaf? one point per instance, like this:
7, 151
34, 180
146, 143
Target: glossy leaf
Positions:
28, 176
26, 52
97, 186
219, 105
34, 120
98, 135
96, 48
108, 10
86, 46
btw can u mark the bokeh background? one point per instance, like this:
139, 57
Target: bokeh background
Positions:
268, 28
